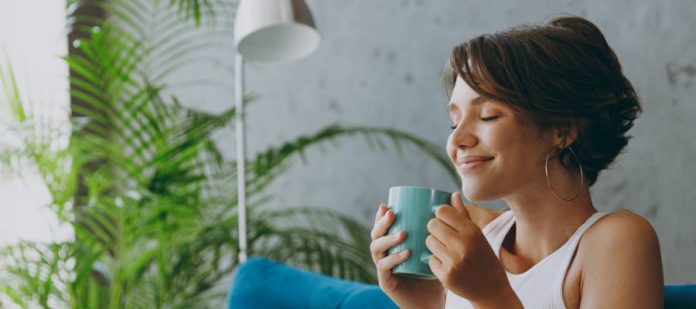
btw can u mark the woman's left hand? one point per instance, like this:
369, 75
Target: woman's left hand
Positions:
463, 260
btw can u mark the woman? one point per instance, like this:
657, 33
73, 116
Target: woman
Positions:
537, 112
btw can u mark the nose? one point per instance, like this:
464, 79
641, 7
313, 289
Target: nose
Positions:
463, 137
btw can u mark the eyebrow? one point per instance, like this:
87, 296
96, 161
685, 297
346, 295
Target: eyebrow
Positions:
476, 101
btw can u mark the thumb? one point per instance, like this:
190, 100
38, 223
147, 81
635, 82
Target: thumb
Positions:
459, 205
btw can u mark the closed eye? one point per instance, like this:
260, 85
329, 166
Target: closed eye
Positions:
482, 119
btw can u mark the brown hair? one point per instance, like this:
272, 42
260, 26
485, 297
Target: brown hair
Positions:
555, 75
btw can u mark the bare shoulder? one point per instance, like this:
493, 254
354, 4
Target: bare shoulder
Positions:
481, 216
621, 229
621, 226
619, 256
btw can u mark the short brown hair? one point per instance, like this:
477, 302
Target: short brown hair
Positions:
555, 75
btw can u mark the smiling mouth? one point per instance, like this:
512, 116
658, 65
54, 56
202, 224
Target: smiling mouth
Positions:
465, 167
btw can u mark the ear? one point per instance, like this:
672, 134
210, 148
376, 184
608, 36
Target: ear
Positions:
565, 135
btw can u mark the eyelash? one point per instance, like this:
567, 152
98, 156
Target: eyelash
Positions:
483, 119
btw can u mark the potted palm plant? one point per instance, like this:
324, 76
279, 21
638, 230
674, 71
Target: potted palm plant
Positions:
146, 190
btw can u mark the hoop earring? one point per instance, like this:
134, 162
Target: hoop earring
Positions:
548, 180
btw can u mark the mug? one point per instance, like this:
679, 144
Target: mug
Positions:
413, 207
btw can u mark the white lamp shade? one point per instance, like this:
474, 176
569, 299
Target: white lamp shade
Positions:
274, 30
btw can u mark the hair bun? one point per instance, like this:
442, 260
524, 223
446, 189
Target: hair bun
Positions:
579, 25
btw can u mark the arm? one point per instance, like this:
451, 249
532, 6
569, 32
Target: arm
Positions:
624, 267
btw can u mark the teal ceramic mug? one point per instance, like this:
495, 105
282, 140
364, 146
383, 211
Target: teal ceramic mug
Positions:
413, 207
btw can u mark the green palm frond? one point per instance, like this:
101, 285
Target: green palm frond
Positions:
12, 94
44, 281
170, 42
192, 8
266, 162
316, 239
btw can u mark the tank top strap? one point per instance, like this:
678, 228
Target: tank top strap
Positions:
572, 244
568, 252
496, 230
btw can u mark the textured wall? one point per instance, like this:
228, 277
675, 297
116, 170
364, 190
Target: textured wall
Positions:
380, 63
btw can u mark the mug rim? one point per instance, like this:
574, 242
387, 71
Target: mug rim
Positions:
420, 188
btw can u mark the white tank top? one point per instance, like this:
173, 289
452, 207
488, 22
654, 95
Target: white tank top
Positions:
542, 285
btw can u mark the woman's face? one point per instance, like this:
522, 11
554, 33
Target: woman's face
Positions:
495, 152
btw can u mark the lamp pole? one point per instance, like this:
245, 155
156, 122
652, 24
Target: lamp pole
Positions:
265, 30
241, 154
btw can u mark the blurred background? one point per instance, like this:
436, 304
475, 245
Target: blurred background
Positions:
378, 69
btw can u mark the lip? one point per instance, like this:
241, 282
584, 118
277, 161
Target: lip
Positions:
470, 163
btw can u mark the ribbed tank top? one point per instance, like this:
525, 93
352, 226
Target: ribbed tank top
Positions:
540, 286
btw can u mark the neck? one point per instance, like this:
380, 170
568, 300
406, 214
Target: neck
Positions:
545, 222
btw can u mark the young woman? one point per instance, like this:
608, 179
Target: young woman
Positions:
537, 112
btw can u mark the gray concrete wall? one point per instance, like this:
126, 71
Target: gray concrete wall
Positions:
380, 64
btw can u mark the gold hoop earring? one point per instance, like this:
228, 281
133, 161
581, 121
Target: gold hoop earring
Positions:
548, 180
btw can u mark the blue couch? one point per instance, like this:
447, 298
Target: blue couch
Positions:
261, 283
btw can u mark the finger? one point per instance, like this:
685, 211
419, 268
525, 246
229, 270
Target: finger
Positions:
436, 266
441, 230
451, 217
437, 247
380, 211
385, 265
458, 204
382, 225
380, 246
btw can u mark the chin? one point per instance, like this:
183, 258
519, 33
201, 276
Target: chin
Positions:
476, 193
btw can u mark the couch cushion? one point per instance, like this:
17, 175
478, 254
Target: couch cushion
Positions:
680, 296
262, 283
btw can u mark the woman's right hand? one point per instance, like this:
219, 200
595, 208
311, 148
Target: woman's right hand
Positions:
405, 292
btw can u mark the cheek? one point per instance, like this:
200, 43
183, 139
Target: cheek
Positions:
502, 137
519, 150
451, 151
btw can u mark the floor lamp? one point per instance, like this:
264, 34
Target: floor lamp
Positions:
265, 30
